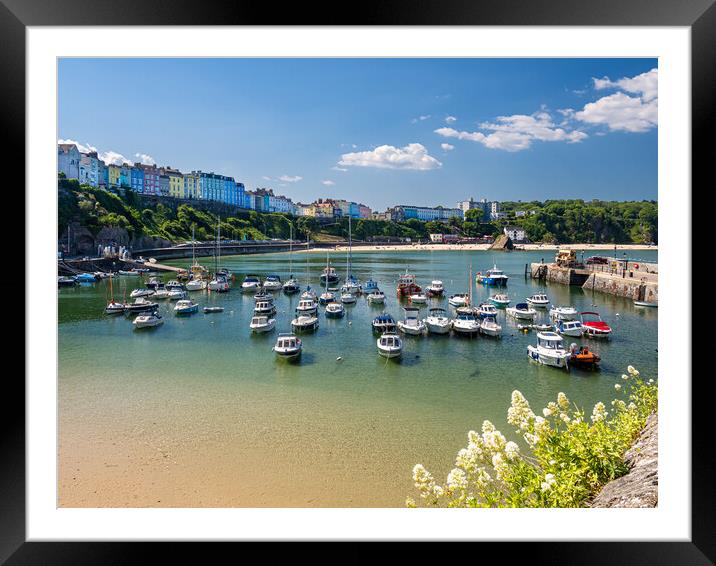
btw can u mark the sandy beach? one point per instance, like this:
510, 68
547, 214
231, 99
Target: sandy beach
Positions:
484, 247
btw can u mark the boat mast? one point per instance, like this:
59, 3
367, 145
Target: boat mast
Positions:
193, 245
350, 241
469, 287
290, 249
217, 257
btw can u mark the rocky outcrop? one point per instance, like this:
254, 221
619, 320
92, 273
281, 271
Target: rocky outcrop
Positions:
639, 487
502, 242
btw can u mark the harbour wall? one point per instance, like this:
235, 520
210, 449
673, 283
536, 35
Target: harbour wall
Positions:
637, 285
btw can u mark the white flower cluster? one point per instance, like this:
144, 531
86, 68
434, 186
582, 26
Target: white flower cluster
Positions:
599, 413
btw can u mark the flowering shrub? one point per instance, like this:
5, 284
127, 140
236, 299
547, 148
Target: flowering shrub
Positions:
570, 454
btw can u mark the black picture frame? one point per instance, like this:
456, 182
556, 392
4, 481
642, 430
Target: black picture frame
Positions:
699, 15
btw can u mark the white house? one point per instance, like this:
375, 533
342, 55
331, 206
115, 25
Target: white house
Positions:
68, 160
515, 233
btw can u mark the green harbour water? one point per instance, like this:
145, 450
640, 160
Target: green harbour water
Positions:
234, 426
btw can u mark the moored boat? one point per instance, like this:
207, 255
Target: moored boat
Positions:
558, 313
594, 326
458, 299
147, 320
521, 311
411, 324
549, 350
486, 309
492, 277
583, 357
570, 328
500, 300
186, 306
335, 310
466, 323
376, 297
390, 345
288, 346
538, 300
64, 281
262, 323
435, 289
264, 307
490, 327
437, 321
384, 323
307, 306
250, 284
304, 321
273, 283
407, 285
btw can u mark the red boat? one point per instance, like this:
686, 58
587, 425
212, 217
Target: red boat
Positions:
407, 285
594, 325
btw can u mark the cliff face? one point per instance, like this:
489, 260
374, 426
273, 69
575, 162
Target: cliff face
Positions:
502, 242
640, 487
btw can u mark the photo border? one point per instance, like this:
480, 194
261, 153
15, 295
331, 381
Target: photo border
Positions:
16, 15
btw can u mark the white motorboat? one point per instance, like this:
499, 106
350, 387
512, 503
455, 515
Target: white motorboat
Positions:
376, 297
219, 284
390, 346
140, 304
348, 298
549, 351
466, 323
500, 300
250, 284
435, 289
542, 327
458, 299
645, 304
490, 327
114, 307
147, 320
263, 295
304, 321
418, 298
176, 294
141, 293
384, 324
132, 273
161, 293
307, 306
64, 281
291, 286
174, 285
411, 324
486, 309
437, 321
264, 307
521, 311
262, 323
154, 282
570, 328
335, 310
308, 294
563, 313
327, 297
288, 346
195, 285
186, 306
273, 283
538, 300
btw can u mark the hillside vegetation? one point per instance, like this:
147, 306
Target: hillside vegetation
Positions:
559, 221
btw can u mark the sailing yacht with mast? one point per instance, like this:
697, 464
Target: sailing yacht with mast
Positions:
113, 307
327, 296
219, 283
351, 285
291, 286
198, 272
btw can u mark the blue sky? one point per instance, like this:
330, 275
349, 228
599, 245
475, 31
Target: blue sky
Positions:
380, 131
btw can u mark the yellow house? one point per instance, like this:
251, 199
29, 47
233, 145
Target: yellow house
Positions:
176, 184
191, 185
113, 172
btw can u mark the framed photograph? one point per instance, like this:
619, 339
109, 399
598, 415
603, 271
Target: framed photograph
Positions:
394, 278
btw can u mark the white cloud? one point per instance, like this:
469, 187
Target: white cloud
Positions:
113, 158
413, 156
451, 119
336, 168
83, 148
328, 183
145, 159
517, 132
290, 178
447, 146
265, 178
645, 85
621, 112
419, 119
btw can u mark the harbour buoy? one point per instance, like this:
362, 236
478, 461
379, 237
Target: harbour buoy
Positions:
339, 358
